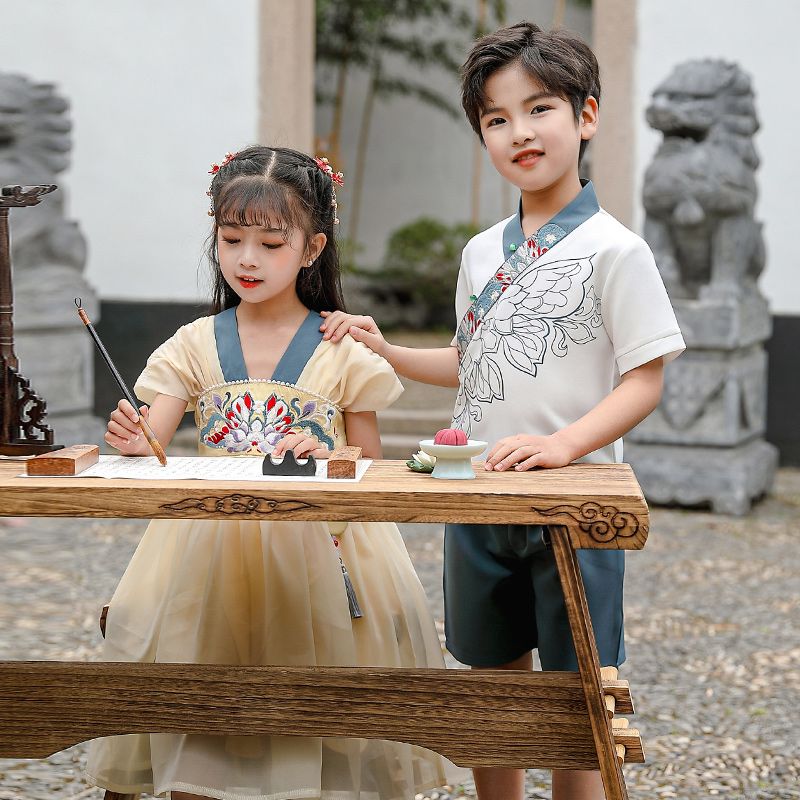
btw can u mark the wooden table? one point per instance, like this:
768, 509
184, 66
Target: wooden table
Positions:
555, 720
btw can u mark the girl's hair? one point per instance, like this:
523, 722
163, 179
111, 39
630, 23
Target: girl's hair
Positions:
278, 188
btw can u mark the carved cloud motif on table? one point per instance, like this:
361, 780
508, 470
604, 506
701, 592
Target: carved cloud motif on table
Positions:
603, 523
234, 504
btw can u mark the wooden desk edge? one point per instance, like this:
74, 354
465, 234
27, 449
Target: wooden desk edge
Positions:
601, 505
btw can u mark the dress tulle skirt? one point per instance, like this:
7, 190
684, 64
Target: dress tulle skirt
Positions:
226, 592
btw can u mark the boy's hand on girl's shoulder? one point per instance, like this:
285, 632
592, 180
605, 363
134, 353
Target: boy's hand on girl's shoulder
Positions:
523, 452
362, 328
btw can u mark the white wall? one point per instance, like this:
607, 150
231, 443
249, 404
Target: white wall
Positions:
762, 39
419, 160
159, 90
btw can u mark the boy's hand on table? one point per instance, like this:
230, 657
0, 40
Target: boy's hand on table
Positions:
523, 452
362, 328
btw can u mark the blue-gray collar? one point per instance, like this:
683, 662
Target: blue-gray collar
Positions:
575, 213
292, 362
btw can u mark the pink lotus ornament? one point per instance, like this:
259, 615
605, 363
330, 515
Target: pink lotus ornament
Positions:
451, 436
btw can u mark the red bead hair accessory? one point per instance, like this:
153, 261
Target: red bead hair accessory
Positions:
336, 177
324, 165
215, 168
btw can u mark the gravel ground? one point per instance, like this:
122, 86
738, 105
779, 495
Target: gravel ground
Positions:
713, 641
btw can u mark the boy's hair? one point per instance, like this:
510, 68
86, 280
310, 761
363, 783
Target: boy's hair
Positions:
280, 188
559, 60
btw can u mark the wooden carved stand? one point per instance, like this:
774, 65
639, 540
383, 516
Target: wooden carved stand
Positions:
22, 430
554, 720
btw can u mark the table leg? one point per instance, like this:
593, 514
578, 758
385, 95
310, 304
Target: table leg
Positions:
588, 663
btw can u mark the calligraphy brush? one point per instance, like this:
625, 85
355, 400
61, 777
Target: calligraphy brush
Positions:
156, 447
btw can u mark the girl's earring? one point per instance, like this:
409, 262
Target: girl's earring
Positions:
311, 262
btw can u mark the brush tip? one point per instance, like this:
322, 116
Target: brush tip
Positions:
158, 450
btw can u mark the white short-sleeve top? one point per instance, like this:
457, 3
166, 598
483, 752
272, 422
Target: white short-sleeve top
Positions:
553, 340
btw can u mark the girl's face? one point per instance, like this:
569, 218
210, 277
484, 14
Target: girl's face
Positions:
261, 264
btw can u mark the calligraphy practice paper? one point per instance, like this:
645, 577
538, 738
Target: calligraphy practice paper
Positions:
221, 468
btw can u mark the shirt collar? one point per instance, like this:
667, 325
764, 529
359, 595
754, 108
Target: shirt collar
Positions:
570, 217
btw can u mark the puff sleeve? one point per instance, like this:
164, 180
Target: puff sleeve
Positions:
174, 368
358, 379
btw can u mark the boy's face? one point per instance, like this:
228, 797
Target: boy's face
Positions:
532, 137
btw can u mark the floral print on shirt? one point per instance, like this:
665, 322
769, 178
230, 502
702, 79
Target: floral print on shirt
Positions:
545, 307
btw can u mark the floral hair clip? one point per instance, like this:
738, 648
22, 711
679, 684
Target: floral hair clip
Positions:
336, 177
215, 168
324, 165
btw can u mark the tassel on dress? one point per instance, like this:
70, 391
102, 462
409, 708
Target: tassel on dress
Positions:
352, 599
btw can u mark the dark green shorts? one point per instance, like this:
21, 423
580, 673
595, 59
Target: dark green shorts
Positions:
503, 598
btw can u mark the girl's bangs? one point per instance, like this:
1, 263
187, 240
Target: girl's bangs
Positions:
256, 202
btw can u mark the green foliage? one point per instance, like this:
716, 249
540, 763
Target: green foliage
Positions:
361, 33
420, 270
395, 43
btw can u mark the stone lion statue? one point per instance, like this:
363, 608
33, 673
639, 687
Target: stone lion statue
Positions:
47, 248
700, 190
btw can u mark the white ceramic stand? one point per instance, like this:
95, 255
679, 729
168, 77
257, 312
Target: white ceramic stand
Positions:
453, 461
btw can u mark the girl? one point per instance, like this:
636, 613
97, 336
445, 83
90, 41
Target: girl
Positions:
260, 379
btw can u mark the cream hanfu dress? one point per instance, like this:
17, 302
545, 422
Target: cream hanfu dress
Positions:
251, 592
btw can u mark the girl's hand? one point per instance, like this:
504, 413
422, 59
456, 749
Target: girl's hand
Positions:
523, 452
363, 329
303, 446
123, 432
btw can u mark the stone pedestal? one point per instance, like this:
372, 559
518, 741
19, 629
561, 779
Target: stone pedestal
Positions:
57, 351
703, 445
726, 478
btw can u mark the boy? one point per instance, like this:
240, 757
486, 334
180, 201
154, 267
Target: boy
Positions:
564, 327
